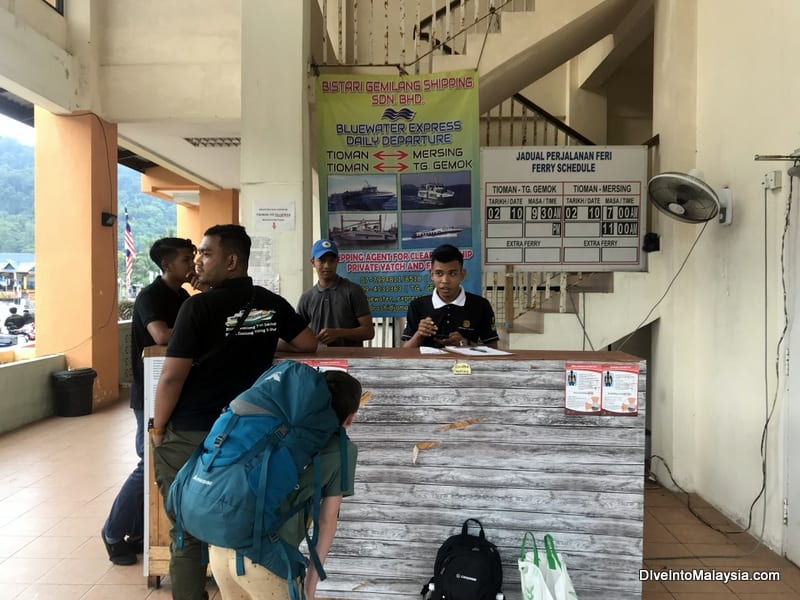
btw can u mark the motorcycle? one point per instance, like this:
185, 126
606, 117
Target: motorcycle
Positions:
28, 331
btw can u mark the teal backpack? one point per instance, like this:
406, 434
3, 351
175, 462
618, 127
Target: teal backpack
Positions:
229, 492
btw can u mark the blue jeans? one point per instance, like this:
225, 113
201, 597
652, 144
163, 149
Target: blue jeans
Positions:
127, 512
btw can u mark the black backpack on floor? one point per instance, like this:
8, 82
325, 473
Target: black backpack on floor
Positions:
467, 567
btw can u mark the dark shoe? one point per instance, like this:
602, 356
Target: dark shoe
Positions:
121, 552
137, 543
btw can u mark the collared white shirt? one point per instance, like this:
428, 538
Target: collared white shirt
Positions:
460, 300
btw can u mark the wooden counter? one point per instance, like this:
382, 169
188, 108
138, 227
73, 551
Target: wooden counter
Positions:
525, 465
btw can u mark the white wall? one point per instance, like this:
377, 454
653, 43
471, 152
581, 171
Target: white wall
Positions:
710, 349
747, 105
723, 92
40, 17
171, 60
34, 61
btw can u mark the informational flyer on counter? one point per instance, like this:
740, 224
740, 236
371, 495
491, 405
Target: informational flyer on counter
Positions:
583, 392
601, 389
621, 389
398, 176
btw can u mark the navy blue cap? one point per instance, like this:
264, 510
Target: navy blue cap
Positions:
323, 247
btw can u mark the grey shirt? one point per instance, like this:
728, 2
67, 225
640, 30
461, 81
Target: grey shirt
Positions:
337, 306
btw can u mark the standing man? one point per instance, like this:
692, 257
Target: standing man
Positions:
222, 341
154, 313
336, 309
450, 316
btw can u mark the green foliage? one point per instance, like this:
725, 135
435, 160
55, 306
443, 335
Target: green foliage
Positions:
151, 218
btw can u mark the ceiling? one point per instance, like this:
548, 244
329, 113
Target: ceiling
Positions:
210, 149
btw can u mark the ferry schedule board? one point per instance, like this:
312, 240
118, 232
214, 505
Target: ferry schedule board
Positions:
576, 208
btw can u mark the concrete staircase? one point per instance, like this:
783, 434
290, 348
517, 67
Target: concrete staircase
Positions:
531, 44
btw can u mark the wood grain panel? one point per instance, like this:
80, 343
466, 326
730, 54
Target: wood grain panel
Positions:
524, 465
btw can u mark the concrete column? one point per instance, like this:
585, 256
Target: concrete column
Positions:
217, 208
275, 165
675, 120
586, 110
75, 179
188, 223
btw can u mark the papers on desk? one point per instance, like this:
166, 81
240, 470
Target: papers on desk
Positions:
430, 350
477, 351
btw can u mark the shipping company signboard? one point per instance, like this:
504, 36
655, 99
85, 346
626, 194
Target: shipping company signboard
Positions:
398, 176
550, 208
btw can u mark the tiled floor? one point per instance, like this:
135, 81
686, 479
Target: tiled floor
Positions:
670, 530
59, 477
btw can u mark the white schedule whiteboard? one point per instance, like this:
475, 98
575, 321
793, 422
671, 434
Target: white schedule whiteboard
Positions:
573, 208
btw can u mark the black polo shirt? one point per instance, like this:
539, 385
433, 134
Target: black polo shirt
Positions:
156, 302
474, 321
236, 362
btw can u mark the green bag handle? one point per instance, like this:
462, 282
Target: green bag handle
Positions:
522, 549
550, 549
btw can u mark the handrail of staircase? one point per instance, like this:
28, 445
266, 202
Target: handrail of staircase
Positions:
653, 141
441, 12
552, 119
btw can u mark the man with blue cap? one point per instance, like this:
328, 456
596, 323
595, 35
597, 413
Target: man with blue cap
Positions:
336, 308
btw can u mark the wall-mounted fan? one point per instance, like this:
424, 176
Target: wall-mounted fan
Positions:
687, 198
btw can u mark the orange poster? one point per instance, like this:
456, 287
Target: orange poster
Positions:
582, 385
621, 389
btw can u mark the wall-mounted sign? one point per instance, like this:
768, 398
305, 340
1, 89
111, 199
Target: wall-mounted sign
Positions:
577, 208
398, 177
273, 215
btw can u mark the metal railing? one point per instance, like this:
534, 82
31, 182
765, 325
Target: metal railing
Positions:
401, 33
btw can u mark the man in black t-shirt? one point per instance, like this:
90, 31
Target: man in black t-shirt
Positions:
222, 341
154, 313
450, 316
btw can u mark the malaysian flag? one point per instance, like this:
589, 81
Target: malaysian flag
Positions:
130, 251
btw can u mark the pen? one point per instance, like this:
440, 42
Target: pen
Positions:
478, 350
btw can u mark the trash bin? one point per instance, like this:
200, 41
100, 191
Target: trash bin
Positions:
72, 391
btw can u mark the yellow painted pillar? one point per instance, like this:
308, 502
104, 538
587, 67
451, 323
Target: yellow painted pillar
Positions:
215, 207
218, 208
75, 177
188, 223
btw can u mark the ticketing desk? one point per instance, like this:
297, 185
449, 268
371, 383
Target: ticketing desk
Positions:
440, 442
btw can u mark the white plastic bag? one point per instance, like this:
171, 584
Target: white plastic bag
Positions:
534, 586
554, 571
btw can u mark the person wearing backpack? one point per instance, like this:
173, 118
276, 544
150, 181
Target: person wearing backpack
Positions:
259, 582
222, 341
